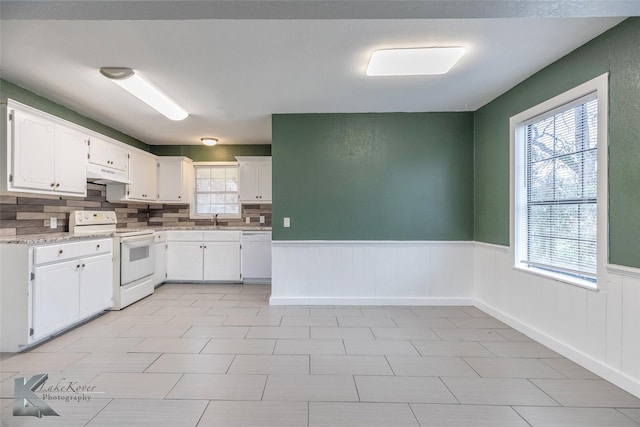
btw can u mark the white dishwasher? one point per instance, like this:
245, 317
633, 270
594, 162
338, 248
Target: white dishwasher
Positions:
256, 256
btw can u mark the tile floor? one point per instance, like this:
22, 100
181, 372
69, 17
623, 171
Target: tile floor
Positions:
219, 355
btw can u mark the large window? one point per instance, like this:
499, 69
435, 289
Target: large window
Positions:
557, 217
216, 190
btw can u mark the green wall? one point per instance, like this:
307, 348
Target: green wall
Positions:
387, 176
217, 153
9, 90
616, 51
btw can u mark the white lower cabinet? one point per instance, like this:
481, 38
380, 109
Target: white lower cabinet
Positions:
203, 256
95, 293
67, 292
221, 261
54, 308
45, 289
184, 260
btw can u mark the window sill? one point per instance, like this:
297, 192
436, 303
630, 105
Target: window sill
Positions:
558, 277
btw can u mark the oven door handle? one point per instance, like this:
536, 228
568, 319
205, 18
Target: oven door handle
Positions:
132, 241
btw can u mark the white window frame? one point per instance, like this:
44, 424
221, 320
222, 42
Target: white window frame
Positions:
192, 207
517, 124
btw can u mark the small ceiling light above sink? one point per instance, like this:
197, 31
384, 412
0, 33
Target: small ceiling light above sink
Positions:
414, 61
142, 89
209, 141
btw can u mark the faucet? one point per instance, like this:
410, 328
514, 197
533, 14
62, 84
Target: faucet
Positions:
215, 220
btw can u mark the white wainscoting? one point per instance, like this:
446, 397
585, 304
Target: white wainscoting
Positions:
599, 330
372, 273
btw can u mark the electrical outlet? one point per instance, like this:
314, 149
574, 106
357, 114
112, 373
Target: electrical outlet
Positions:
261, 219
53, 222
287, 222
247, 220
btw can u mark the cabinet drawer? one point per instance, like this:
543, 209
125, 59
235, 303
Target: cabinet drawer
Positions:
95, 247
222, 236
64, 251
184, 236
44, 254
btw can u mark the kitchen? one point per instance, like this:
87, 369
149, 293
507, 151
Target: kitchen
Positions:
147, 249
393, 289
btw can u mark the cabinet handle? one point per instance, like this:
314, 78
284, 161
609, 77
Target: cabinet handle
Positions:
200, 246
179, 197
57, 185
97, 246
53, 184
82, 265
205, 246
78, 266
60, 251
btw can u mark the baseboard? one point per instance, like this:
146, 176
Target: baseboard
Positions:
598, 367
419, 301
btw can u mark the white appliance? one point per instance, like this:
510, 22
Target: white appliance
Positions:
256, 256
133, 254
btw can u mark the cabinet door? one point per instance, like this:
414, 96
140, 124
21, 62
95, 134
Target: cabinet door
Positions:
184, 260
248, 190
96, 284
55, 297
171, 180
143, 176
264, 181
160, 272
105, 153
33, 150
222, 261
70, 161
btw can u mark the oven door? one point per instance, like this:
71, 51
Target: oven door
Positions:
136, 258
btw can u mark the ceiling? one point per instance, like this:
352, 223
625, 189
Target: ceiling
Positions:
231, 64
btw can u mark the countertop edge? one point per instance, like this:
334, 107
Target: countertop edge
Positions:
37, 239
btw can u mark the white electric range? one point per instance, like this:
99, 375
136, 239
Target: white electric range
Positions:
133, 254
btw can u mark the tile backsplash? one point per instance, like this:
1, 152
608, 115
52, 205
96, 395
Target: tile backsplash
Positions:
24, 213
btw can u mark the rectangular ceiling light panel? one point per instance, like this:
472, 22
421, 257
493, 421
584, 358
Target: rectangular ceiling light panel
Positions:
142, 89
413, 62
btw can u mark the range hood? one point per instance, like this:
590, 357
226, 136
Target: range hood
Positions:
106, 175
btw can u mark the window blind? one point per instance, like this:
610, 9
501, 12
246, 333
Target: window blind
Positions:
561, 189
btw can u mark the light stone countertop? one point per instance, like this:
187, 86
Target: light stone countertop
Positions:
40, 239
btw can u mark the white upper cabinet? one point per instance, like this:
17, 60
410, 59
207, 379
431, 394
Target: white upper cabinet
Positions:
144, 180
70, 161
254, 179
175, 179
105, 153
44, 155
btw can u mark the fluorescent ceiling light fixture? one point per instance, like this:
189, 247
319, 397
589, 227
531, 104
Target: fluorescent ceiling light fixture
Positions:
133, 83
413, 62
209, 141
